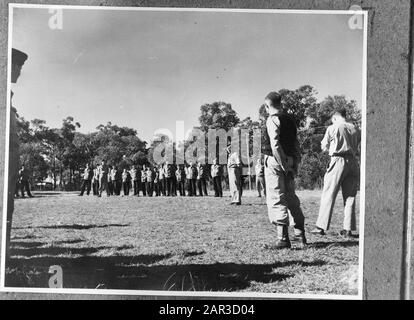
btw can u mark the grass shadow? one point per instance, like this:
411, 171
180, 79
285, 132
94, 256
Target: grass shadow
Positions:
142, 273
75, 226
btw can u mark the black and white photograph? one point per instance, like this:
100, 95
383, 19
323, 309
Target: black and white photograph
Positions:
185, 151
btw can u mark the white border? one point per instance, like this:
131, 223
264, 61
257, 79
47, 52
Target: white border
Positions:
207, 294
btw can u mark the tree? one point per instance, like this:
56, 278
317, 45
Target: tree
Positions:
218, 115
320, 114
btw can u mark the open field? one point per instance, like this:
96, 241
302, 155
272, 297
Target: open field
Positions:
178, 243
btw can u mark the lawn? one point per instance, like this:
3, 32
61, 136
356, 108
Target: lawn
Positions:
178, 243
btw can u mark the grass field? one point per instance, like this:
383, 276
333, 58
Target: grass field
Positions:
178, 243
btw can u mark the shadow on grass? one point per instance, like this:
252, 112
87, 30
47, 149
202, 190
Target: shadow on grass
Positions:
138, 273
75, 226
344, 244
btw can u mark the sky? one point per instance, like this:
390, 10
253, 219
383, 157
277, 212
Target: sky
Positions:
149, 69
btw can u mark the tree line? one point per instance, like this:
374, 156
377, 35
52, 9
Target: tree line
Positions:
61, 153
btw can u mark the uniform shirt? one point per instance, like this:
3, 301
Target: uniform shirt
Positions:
133, 173
216, 170
180, 174
156, 176
201, 171
259, 170
126, 176
96, 174
149, 175
341, 139
143, 175
161, 175
103, 171
23, 175
234, 160
87, 174
168, 171
283, 142
191, 172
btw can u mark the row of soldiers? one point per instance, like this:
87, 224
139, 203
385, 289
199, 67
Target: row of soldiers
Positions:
164, 180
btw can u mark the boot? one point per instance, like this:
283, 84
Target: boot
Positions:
283, 241
300, 236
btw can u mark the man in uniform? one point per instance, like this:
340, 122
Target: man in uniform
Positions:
235, 170
161, 179
201, 179
150, 181
126, 181
341, 140
24, 182
95, 181
87, 179
260, 179
216, 174
103, 178
144, 180
136, 179
180, 176
111, 186
18, 59
281, 159
191, 179
168, 174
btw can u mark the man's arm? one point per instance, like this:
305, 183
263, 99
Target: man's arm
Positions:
273, 127
325, 143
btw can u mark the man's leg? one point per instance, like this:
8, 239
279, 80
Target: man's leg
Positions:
349, 188
332, 181
258, 187
27, 186
88, 187
276, 201
294, 208
83, 186
204, 184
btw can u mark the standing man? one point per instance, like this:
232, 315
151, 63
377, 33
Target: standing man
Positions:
103, 178
161, 179
217, 174
95, 181
136, 179
150, 181
18, 59
281, 159
235, 171
87, 180
180, 177
201, 179
126, 181
341, 140
192, 179
168, 173
111, 186
260, 178
144, 180
24, 182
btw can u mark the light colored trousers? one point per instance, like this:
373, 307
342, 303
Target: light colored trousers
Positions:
280, 196
342, 173
235, 184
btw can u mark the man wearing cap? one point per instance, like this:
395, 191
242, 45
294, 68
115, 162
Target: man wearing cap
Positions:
341, 140
281, 152
18, 59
